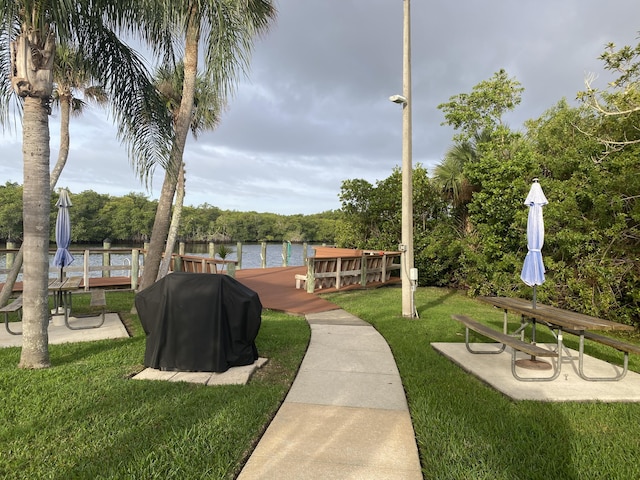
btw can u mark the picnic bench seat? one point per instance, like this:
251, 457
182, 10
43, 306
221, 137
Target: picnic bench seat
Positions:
516, 345
14, 306
98, 300
624, 347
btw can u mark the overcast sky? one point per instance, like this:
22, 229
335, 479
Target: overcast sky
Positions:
314, 109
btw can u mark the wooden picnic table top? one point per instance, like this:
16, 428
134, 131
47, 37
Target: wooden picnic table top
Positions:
69, 283
554, 315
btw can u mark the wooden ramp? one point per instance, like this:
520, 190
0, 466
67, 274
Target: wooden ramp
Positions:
277, 290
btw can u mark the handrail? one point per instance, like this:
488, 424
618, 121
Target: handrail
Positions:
188, 263
345, 270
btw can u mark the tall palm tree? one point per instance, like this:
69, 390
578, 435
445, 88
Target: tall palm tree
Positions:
30, 30
229, 29
206, 115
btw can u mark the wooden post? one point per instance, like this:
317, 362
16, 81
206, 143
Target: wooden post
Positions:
231, 269
135, 268
181, 248
263, 254
106, 258
239, 254
311, 279
10, 255
284, 254
338, 271
304, 253
178, 266
212, 250
363, 272
85, 274
384, 268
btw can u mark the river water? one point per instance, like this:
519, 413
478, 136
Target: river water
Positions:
251, 257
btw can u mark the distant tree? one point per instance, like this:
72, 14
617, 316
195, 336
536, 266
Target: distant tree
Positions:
10, 211
87, 217
484, 107
621, 100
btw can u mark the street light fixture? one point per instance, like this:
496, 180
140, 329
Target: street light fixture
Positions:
407, 272
398, 99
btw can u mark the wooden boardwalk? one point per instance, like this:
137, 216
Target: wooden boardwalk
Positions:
277, 290
275, 287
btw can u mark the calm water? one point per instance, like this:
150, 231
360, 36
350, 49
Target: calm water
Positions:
251, 257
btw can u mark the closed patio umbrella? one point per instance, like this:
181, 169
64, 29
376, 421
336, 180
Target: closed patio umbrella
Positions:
63, 257
533, 267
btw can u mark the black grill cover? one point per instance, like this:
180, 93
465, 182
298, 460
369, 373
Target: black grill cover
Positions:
199, 322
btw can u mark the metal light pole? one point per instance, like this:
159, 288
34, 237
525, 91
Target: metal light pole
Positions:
407, 170
408, 309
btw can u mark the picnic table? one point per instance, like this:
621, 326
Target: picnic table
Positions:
561, 321
62, 290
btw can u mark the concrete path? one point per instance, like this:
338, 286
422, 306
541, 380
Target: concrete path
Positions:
346, 415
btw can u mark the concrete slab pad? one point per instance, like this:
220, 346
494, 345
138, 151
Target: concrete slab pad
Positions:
495, 370
311, 441
233, 376
112, 328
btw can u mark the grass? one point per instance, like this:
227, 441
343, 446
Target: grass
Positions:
84, 418
467, 430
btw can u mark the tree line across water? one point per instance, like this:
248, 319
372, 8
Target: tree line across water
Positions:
96, 216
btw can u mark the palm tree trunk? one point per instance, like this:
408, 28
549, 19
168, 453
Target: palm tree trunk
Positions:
63, 152
183, 121
37, 205
173, 228
159, 232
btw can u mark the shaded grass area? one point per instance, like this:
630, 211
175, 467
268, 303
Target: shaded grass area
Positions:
467, 430
85, 418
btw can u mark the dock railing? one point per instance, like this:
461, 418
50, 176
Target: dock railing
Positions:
339, 268
123, 266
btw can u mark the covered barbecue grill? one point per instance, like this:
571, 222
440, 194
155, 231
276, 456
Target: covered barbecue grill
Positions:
198, 322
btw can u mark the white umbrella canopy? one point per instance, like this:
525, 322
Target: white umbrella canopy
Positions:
533, 268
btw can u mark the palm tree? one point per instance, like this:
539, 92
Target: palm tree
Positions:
30, 30
70, 78
206, 114
230, 28
449, 174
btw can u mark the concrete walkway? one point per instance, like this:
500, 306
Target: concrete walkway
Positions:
346, 415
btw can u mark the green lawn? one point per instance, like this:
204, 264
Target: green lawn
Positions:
467, 430
85, 419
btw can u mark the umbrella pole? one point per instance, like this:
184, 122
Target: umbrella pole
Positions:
533, 363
